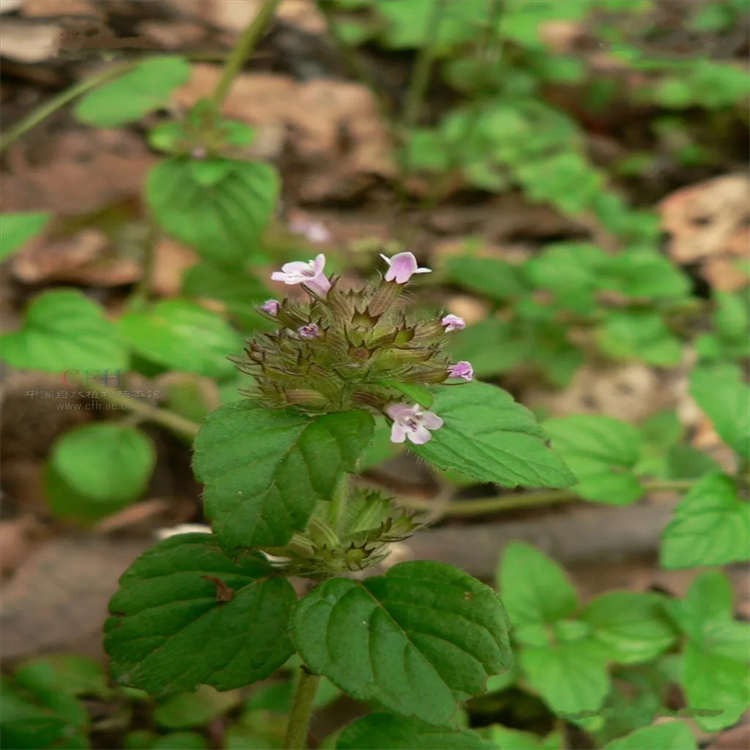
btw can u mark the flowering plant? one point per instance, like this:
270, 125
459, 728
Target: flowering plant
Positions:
218, 609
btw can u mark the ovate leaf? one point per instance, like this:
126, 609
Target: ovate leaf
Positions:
535, 589
183, 336
221, 219
495, 279
185, 614
632, 626
423, 629
488, 436
381, 731
18, 229
672, 736
639, 335
135, 94
601, 452
711, 526
265, 470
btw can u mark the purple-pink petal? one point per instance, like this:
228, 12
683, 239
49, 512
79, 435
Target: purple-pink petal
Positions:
401, 267
431, 420
453, 323
398, 432
461, 370
270, 306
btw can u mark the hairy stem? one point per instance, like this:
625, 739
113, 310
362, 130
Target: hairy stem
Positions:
174, 422
483, 506
40, 114
143, 287
302, 708
243, 49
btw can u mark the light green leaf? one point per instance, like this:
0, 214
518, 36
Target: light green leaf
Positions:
632, 626
488, 436
265, 470
418, 393
639, 336
490, 346
17, 229
97, 469
711, 526
602, 452
672, 736
726, 402
642, 273
381, 448
135, 94
497, 280
571, 677
69, 673
503, 738
535, 589
185, 614
195, 709
223, 221
381, 731
423, 629
731, 317
183, 336
64, 331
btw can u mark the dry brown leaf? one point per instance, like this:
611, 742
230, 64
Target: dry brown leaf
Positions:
28, 42
736, 738
18, 537
134, 515
230, 15
171, 34
170, 263
89, 169
709, 224
303, 14
52, 8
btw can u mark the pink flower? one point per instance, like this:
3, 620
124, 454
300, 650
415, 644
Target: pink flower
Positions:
310, 274
310, 331
199, 153
412, 422
453, 323
402, 267
270, 306
462, 370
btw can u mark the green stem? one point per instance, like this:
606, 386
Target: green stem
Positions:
338, 503
302, 708
58, 102
243, 49
174, 422
483, 506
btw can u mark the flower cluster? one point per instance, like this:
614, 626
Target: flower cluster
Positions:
350, 348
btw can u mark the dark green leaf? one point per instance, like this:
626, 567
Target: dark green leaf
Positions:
65, 331
185, 614
488, 436
425, 629
195, 709
685, 462
18, 229
180, 741
602, 452
183, 336
265, 470
69, 673
711, 526
535, 589
223, 221
382, 731
135, 94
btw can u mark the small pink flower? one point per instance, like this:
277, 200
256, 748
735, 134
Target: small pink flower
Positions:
412, 422
453, 323
310, 274
462, 370
310, 331
270, 306
199, 153
402, 267
314, 231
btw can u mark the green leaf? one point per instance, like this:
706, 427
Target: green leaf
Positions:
185, 614
731, 317
381, 731
183, 336
672, 736
632, 626
641, 273
265, 470
711, 526
97, 469
223, 221
180, 741
239, 291
726, 402
503, 738
685, 462
418, 393
17, 229
571, 677
535, 589
195, 709
423, 629
497, 280
62, 331
489, 346
488, 436
135, 94
381, 448
602, 452
68, 673
639, 335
